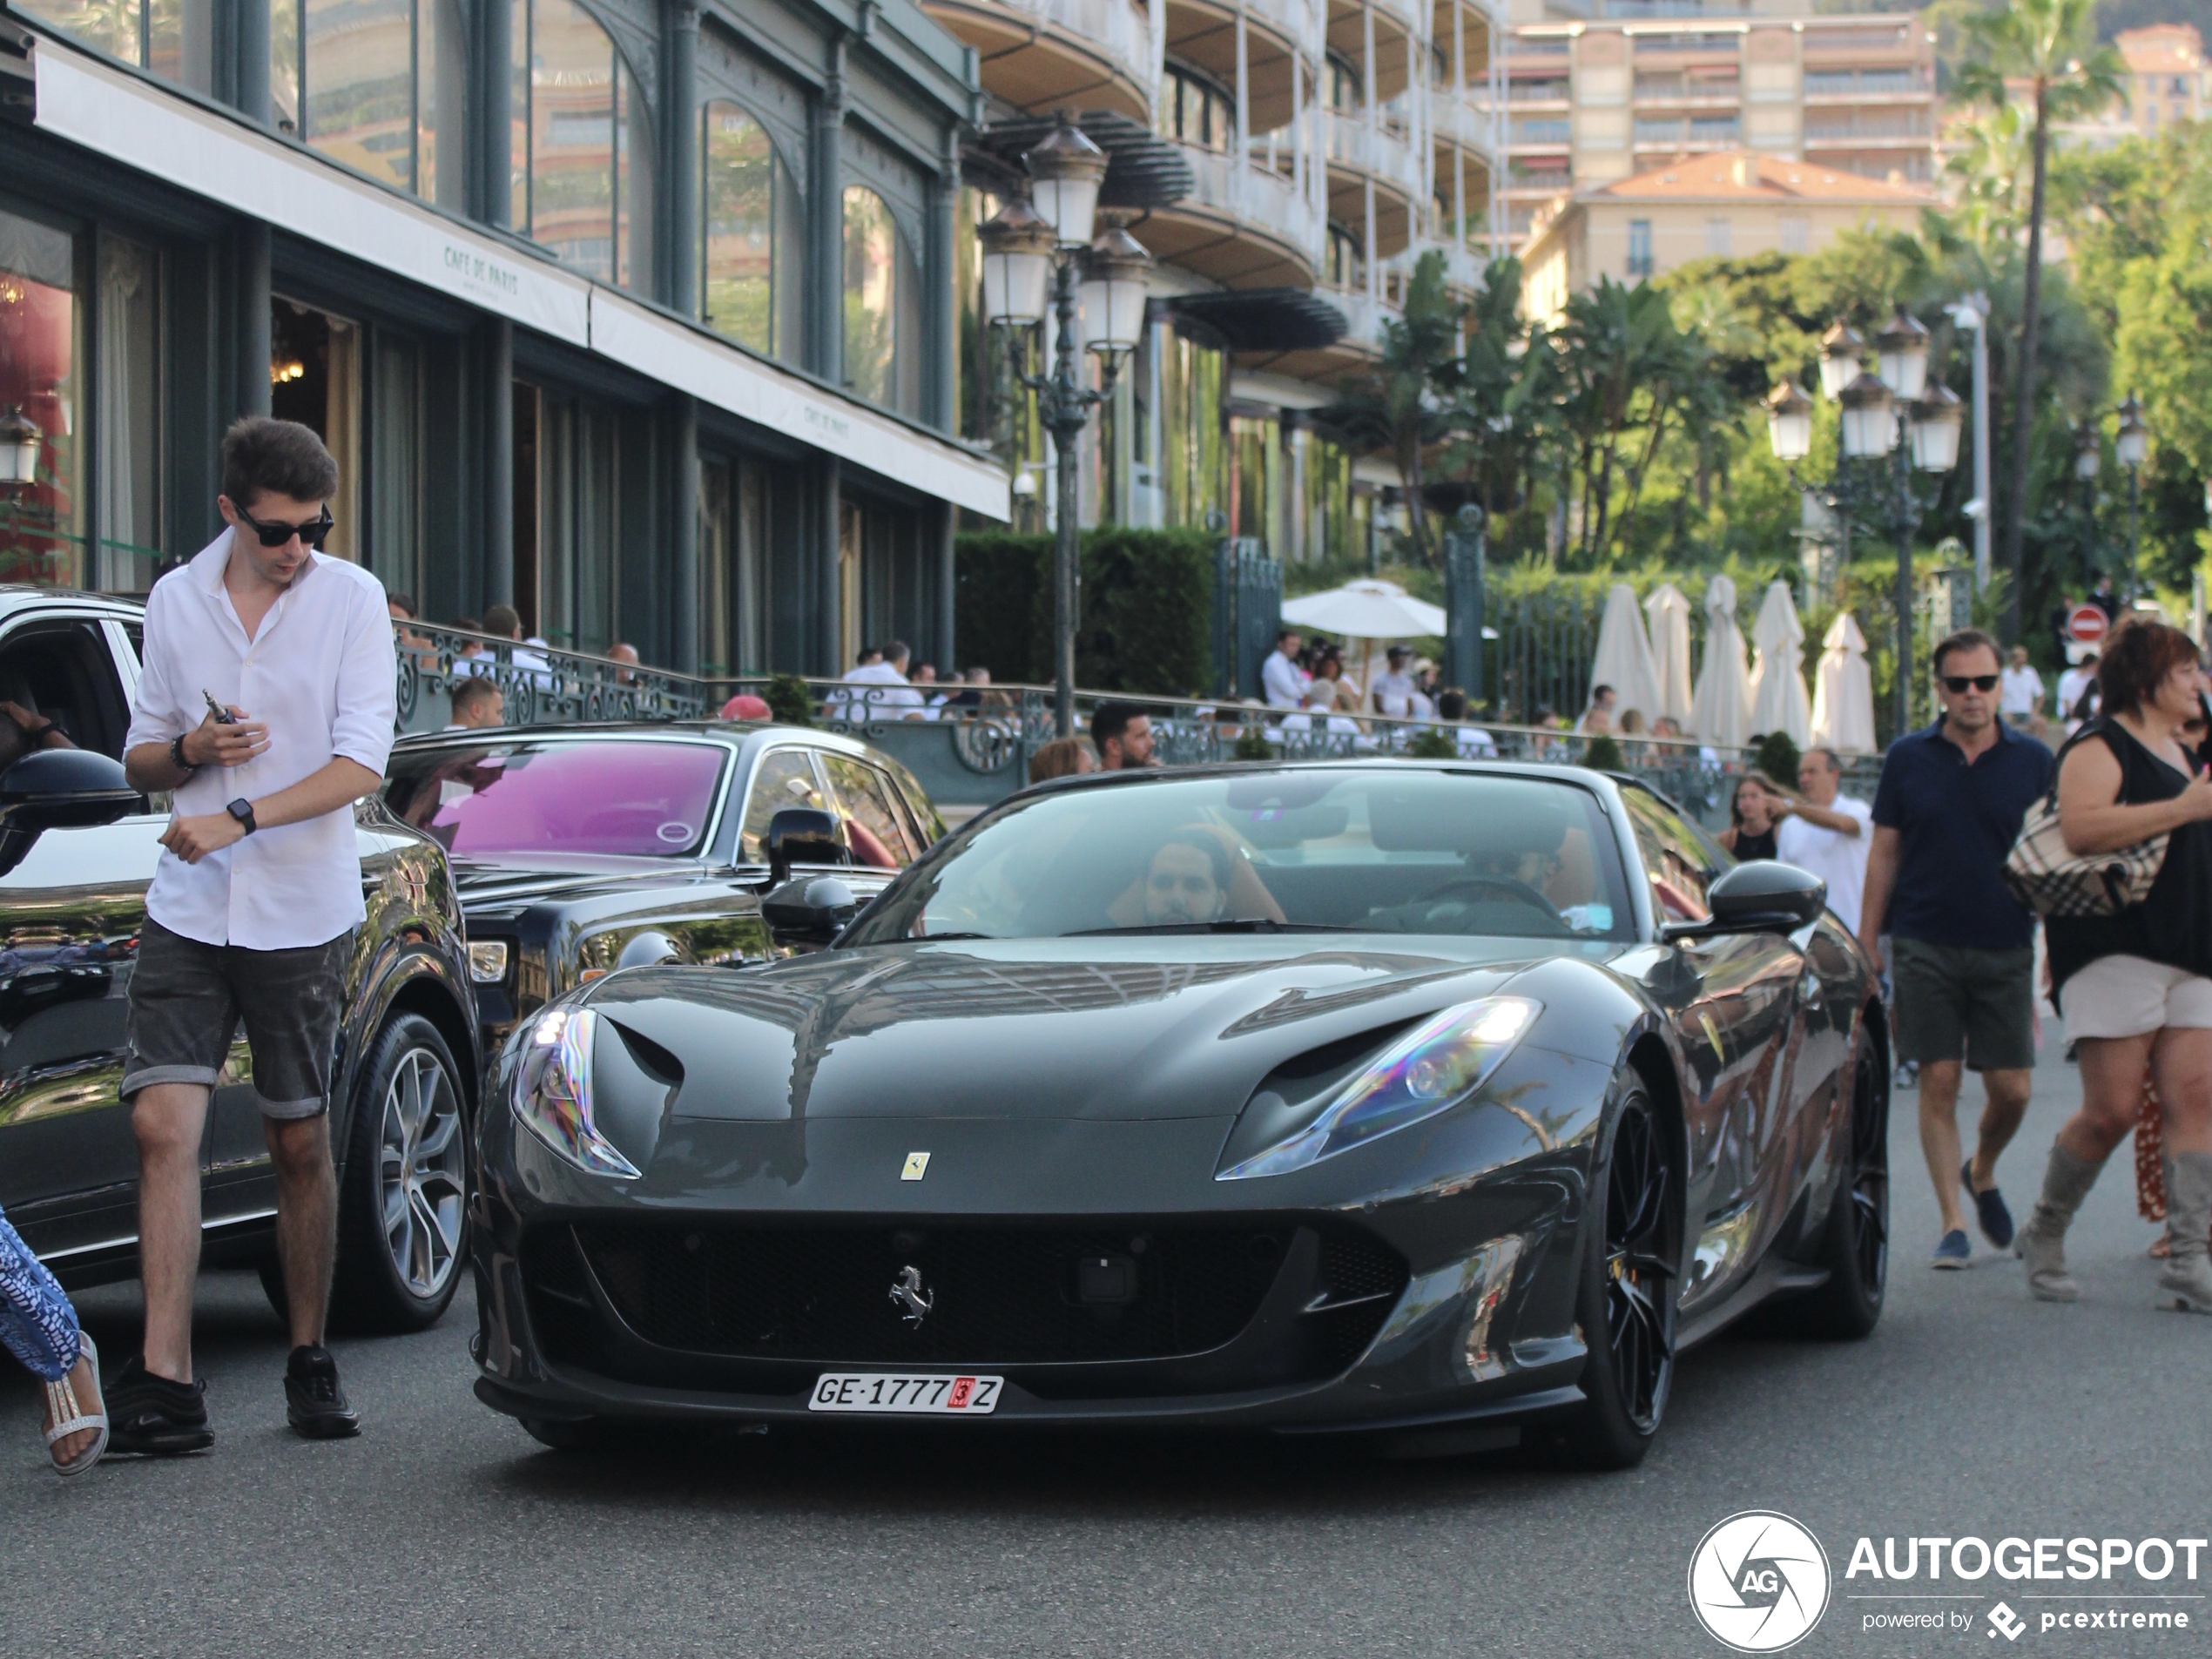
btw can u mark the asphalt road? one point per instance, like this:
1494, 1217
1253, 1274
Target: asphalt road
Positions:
445, 1530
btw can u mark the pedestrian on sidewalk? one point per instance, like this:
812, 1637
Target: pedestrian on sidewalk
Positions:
265, 704
1947, 812
1751, 832
39, 1327
1826, 832
2136, 986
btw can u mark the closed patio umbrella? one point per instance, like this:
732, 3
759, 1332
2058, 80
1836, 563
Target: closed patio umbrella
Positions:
1624, 656
1843, 697
1669, 608
1777, 674
1721, 711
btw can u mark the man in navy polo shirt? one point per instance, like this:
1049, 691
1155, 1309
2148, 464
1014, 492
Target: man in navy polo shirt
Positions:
1962, 978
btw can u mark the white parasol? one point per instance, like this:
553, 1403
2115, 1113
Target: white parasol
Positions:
1721, 711
1624, 658
1368, 609
1778, 674
1668, 609
1842, 700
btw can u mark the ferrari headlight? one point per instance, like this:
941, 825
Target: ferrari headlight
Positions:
1439, 1063
552, 1096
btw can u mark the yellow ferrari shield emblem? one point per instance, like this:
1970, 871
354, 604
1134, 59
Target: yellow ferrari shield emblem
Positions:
917, 1166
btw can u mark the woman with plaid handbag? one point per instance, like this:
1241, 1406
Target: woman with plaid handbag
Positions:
2134, 982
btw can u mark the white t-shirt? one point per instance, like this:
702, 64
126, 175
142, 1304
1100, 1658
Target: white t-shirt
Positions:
2021, 691
1476, 744
2072, 683
1394, 694
1837, 859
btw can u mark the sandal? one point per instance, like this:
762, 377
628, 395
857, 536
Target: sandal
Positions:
70, 1417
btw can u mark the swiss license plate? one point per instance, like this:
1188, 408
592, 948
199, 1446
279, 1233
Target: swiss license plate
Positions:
884, 1392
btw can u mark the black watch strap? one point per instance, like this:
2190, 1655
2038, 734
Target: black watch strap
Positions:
242, 810
176, 753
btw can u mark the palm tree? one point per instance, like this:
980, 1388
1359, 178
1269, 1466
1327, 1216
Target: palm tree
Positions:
1395, 405
2047, 49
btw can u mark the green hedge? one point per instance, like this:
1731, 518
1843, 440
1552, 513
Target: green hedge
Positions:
1147, 609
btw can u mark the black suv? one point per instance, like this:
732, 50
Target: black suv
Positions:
77, 849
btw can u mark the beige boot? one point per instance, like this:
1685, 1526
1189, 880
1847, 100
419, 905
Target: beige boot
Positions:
2041, 1243
2186, 1281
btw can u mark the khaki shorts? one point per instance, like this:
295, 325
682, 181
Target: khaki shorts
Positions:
2126, 997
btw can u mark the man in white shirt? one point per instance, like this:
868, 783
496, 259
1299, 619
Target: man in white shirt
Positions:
1281, 680
1393, 692
2072, 683
1827, 833
266, 705
889, 670
2020, 696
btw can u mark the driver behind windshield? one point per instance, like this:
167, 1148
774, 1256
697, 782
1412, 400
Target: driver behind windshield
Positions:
1187, 880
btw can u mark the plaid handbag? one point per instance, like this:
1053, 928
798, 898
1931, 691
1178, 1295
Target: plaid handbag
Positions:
2051, 881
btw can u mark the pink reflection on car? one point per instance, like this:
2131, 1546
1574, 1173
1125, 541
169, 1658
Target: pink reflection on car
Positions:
626, 799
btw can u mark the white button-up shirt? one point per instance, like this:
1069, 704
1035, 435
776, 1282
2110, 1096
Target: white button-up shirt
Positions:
1280, 679
323, 675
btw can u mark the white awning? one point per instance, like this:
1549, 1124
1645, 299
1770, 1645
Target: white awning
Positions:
227, 161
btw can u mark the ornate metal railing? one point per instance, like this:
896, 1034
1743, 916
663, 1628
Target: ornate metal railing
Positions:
537, 683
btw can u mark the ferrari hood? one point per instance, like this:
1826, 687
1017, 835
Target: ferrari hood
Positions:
1140, 1028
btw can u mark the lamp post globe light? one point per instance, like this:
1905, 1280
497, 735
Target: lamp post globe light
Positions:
19, 439
1893, 414
2132, 446
1049, 241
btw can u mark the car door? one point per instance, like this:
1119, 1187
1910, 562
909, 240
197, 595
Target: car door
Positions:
69, 913
877, 828
1733, 1001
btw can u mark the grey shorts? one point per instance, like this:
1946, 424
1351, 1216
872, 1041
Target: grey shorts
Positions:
187, 1000
1954, 1002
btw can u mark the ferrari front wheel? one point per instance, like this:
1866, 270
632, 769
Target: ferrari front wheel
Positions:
1626, 1295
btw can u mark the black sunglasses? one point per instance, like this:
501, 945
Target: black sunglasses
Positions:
313, 532
1956, 683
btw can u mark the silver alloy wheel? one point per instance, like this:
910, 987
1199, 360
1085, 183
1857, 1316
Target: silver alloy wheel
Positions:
422, 1173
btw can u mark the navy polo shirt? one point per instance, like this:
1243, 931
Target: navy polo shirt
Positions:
1956, 823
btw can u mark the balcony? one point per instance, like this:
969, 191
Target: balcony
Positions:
1043, 54
1538, 92
1526, 130
1364, 318
1866, 84
1243, 225
1709, 133
1387, 156
1466, 122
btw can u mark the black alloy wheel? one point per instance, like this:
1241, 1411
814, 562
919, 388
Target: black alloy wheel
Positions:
1630, 1281
1855, 1245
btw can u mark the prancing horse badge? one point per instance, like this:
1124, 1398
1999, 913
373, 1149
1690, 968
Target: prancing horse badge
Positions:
917, 1166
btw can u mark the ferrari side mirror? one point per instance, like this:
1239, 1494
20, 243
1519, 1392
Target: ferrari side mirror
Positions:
1762, 896
803, 835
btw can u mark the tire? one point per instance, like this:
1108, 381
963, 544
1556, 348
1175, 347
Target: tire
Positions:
1626, 1296
403, 1200
1855, 1244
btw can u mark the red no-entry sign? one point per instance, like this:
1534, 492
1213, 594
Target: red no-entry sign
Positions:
2086, 625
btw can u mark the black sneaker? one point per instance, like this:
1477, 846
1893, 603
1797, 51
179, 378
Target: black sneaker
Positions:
155, 1415
314, 1400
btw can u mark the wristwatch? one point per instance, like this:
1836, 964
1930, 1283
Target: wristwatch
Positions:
177, 754
242, 810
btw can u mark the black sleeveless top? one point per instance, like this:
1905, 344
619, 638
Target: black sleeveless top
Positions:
2174, 923
1748, 847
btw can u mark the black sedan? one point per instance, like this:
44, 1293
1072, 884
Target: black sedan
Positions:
1452, 1099
580, 849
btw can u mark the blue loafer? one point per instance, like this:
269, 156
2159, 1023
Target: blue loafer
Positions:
1952, 1251
1989, 1207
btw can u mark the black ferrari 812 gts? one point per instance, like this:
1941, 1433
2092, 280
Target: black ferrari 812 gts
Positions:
1453, 1101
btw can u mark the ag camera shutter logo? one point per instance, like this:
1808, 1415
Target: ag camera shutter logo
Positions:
1759, 1581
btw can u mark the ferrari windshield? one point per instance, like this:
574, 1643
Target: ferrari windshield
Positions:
629, 797
1364, 849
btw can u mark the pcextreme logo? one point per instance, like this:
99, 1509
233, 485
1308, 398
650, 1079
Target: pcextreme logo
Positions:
1759, 1581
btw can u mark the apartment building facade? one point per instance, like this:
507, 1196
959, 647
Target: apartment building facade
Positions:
638, 315
1591, 99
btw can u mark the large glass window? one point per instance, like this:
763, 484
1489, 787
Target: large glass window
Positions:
733, 577
315, 379
130, 400
376, 84
1196, 109
579, 517
882, 305
173, 38
752, 237
585, 190
42, 349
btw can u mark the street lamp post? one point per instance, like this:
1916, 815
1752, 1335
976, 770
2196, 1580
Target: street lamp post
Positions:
1892, 413
2132, 445
1050, 239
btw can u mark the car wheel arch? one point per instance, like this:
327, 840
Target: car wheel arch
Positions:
411, 981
